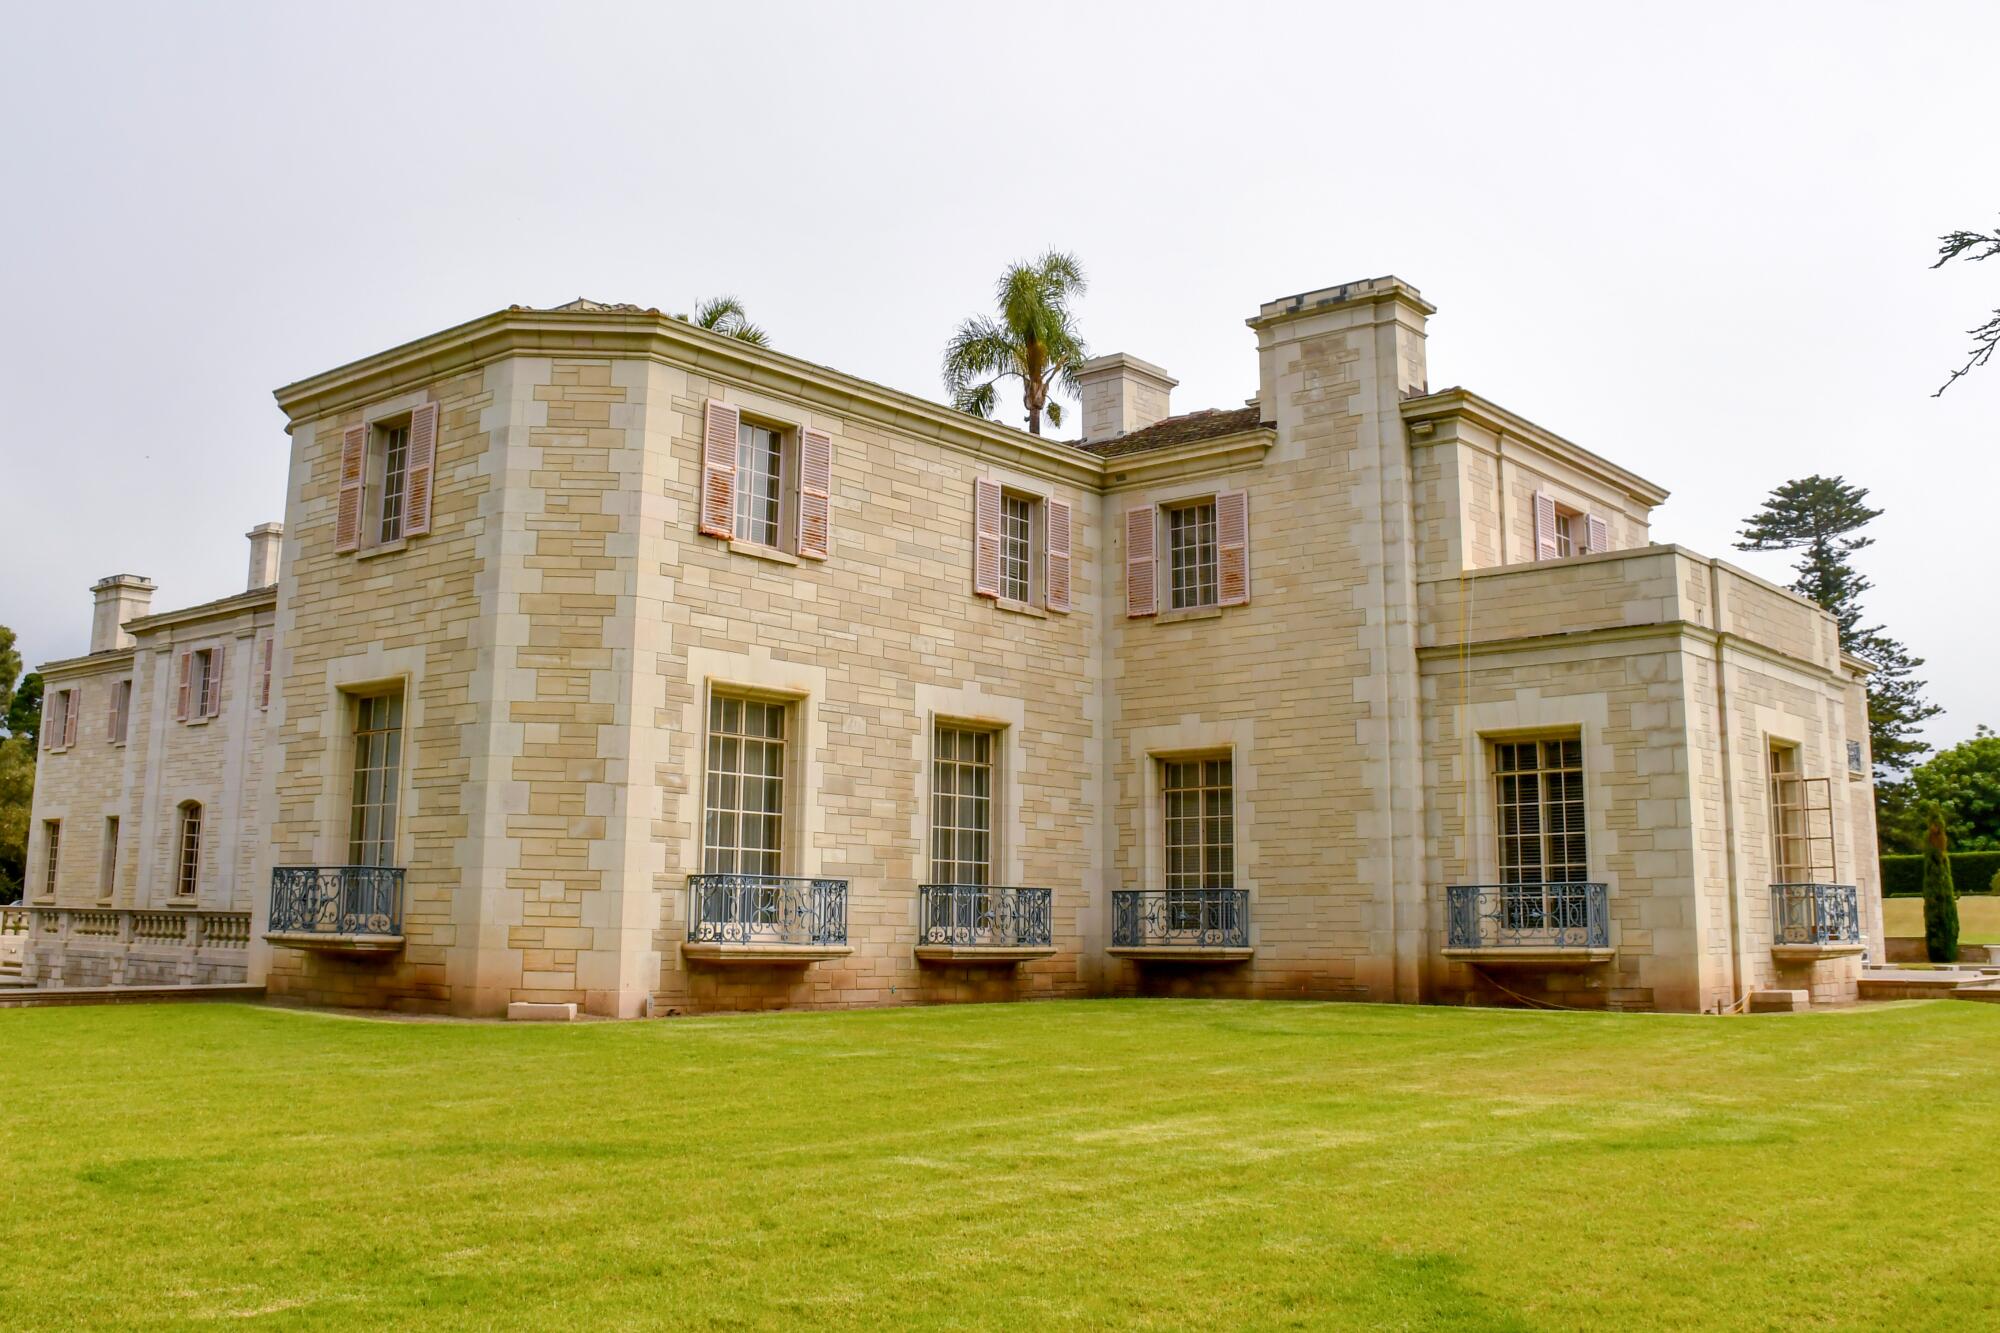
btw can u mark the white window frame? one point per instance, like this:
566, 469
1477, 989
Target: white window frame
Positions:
785, 482
947, 785
717, 733
388, 791
1575, 871
1205, 569
51, 855
190, 827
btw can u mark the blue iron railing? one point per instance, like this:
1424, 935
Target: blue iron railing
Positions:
337, 900
766, 909
1528, 916
1815, 914
991, 915
1180, 918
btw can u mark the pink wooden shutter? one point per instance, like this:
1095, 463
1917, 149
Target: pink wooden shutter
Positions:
1059, 555
1600, 533
212, 705
264, 682
986, 538
1232, 548
1142, 594
422, 461
1545, 527
72, 705
815, 494
718, 469
347, 518
187, 678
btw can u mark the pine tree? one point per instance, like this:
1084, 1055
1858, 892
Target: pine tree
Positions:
1940, 900
1820, 517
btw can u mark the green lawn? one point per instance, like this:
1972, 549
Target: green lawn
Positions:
1158, 1164
1978, 918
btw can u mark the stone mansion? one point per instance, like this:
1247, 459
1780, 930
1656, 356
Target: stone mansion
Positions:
601, 659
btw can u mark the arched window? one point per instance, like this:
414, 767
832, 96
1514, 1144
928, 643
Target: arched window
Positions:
187, 867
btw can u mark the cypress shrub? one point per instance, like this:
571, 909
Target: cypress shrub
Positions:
1903, 876
1940, 902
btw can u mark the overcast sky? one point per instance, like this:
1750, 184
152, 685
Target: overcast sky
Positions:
1695, 241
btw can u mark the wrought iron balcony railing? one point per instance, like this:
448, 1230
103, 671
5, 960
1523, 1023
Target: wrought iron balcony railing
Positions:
337, 902
767, 909
1180, 919
1528, 916
1809, 914
985, 916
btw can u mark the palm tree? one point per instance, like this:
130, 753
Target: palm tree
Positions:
724, 315
1034, 340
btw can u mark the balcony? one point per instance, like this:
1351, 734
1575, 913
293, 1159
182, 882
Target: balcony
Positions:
765, 920
983, 923
1814, 921
1529, 925
1181, 925
337, 909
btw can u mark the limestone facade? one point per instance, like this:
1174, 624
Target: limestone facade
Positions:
1359, 590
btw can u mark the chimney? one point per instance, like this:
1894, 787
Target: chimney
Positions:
265, 541
1121, 394
120, 598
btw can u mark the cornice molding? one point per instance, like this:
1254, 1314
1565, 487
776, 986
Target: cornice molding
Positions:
1225, 453
1449, 403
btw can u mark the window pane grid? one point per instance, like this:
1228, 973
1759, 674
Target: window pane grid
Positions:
395, 473
759, 460
1191, 555
1017, 521
188, 875
962, 807
51, 848
1538, 795
378, 762
745, 788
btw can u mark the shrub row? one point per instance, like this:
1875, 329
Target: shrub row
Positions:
1971, 872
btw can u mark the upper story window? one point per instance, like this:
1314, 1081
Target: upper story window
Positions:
1561, 531
378, 772
59, 719
961, 805
386, 468
119, 724
1017, 561
1207, 556
766, 484
1538, 797
1021, 547
1571, 539
187, 865
200, 693
743, 800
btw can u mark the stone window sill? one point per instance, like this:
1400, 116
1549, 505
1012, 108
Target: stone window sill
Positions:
1021, 608
1189, 613
386, 548
759, 551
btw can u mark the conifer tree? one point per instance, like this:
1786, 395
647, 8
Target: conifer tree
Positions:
1940, 900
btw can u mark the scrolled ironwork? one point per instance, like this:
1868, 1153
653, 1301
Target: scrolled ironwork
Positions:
337, 901
766, 909
985, 915
1180, 918
1815, 914
1567, 915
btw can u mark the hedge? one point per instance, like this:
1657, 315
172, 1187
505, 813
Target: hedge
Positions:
1971, 872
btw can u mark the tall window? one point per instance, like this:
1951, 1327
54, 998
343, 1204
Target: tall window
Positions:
962, 806
1571, 539
395, 479
56, 720
1802, 842
1017, 560
121, 711
187, 869
107, 861
744, 805
1191, 555
760, 454
51, 847
1538, 790
378, 768
1200, 821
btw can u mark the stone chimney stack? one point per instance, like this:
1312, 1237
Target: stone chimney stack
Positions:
120, 598
1121, 394
266, 539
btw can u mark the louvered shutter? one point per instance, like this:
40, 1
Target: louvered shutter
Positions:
1600, 533
1545, 527
48, 732
212, 704
264, 674
353, 468
187, 679
1142, 594
1059, 555
986, 538
111, 713
720, 423
421, 466
72, 706
1232, 548
815, 494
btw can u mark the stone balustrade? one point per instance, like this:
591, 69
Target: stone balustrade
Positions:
119, 946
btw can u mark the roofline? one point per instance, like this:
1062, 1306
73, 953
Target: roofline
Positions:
110, 657
250, 599
1464, 402
651, 335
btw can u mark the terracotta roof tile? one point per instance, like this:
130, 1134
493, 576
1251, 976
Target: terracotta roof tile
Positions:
1209, 424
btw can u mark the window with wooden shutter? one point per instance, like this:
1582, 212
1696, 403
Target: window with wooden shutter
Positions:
353, 472
264, 674
1142, 593
420, 466
718, 469
986, 538
1232, 548
72, 705
1545, 527
815, 494
1059, 555
1597, 533
212, 697
187, 680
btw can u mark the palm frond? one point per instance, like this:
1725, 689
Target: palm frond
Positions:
725, 315
980, 350
979, 400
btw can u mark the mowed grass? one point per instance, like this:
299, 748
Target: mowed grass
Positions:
1978, 918
1154, 1164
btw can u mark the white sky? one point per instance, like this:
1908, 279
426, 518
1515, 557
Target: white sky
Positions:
1694, 239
